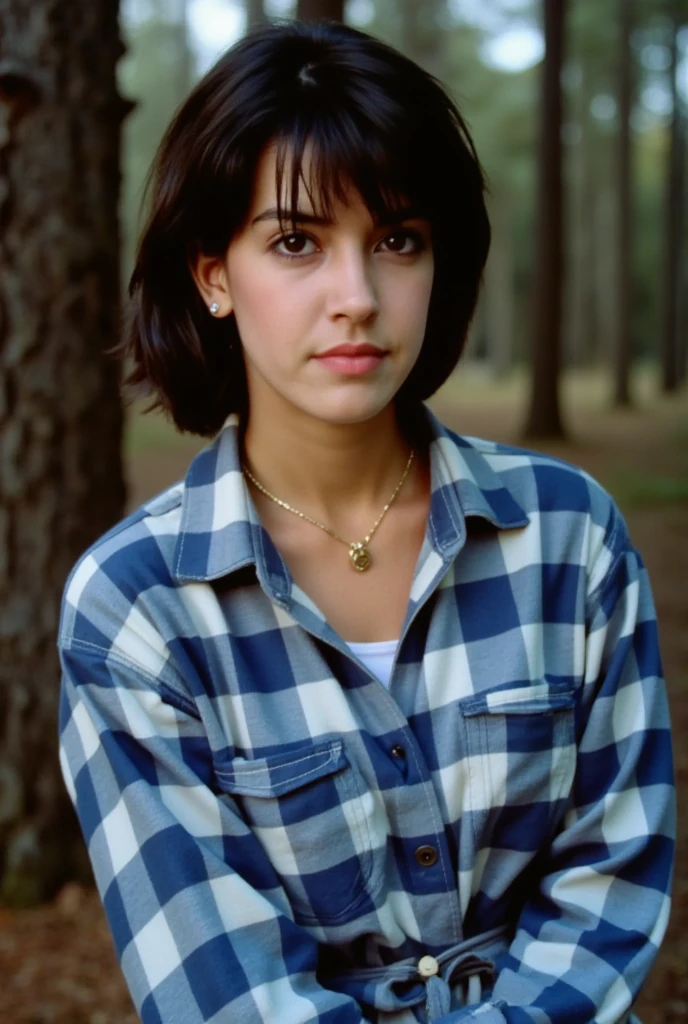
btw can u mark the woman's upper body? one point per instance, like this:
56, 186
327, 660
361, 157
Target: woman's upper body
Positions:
250, 792
277, 836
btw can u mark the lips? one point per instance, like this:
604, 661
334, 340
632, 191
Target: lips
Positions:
352, 351
351, 360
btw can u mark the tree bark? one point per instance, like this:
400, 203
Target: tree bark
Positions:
673, 229
320, 10
544, 417
499, 291
605, 222
682, 269
61, 481
623, 354
581, 316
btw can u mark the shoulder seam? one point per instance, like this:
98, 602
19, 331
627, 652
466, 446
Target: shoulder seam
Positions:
71, 643
596, 594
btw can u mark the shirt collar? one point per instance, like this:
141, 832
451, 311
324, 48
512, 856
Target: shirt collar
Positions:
220, 531
464, 484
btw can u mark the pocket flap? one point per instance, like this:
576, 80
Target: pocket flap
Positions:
536, 698
281, 773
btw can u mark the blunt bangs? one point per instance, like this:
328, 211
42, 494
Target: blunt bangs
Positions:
328, 148
343, 111
326, 159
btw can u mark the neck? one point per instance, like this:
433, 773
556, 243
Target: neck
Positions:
325, 467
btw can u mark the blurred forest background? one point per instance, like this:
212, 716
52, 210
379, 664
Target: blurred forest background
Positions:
579, 111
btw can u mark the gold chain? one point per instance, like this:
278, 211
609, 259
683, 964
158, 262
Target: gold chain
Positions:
358, 550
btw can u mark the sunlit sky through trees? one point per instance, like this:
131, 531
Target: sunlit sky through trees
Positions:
514, 41
513, 38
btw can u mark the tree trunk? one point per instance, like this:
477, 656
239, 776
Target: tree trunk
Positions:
544, 417
605, 221
185, 61
320, 10
581, 318
682, 271
423, 33
623, 354
255, 13
672, 248
60, 415
499, 292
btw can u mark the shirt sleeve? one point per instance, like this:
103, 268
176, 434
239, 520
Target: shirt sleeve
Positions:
588, 936
200, 921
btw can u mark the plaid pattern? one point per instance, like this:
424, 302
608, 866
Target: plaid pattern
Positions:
263, 815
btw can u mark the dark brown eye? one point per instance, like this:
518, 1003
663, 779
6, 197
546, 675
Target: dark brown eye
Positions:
396, 243
294, 243
404, 243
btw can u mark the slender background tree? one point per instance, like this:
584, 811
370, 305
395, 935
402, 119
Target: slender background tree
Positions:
320, 10
625, 293
672, 345
544, 417
255, 13
184, 59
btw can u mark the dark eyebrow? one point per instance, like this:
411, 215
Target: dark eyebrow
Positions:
293, 217
388, 217
301, 217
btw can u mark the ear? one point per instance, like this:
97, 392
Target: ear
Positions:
210, 275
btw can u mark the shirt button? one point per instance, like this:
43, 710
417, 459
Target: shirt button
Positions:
398, 751
426, 856
428, 966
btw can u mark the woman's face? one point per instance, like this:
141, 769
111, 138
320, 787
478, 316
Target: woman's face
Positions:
331, 313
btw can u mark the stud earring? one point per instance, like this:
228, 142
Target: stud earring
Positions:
214, 308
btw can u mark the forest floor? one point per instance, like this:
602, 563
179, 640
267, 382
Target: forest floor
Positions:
56, 962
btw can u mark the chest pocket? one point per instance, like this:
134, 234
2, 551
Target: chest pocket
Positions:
521, 759
313, 814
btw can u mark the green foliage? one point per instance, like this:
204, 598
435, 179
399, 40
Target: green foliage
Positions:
637, 490
154, 432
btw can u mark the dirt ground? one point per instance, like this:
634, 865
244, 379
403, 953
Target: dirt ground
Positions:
57, 963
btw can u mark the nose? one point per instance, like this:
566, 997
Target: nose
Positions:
351, 289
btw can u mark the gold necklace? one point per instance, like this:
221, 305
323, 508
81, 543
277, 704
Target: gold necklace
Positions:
359, 554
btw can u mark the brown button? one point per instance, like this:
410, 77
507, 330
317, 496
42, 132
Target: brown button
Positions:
398, 751
426, 856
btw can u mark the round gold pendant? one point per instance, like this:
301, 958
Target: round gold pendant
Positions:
360, 557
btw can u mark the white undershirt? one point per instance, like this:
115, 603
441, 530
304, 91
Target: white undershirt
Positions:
377, 658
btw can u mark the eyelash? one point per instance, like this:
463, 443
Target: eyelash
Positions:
413, 236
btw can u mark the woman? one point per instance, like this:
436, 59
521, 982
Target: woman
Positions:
362, 720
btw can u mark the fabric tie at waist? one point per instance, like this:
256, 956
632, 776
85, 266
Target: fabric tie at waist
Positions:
400, 985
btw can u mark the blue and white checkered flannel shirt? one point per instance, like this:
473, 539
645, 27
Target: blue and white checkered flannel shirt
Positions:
277, 838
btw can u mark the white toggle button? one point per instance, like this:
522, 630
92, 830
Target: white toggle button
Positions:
428, 966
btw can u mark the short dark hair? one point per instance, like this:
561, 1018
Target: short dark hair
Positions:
371, 118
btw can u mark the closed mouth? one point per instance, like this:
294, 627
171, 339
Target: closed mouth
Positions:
352, 352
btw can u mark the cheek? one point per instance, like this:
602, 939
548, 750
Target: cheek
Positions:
266, 299
412, 301
263, 312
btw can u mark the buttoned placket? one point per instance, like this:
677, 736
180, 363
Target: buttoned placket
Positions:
280, 588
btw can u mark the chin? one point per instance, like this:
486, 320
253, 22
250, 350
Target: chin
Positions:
351, 410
